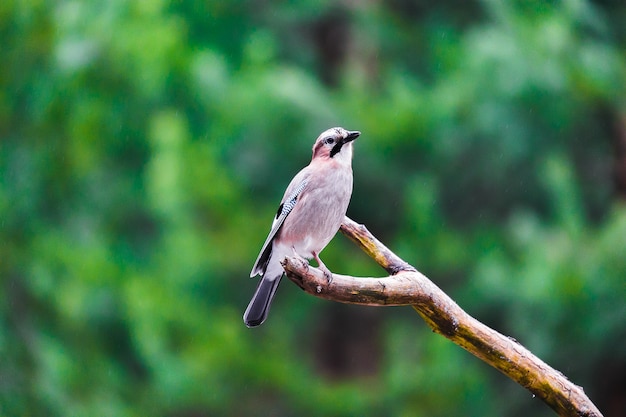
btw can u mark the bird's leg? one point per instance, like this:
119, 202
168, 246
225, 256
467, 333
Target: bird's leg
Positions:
324, 268
296, 254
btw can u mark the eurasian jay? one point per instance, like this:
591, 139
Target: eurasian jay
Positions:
308, 217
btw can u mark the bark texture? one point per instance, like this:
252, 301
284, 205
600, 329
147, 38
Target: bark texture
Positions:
406, 286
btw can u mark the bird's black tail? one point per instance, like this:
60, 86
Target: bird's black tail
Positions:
259, 306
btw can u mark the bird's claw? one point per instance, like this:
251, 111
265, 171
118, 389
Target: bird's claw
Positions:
327, 274
323, 268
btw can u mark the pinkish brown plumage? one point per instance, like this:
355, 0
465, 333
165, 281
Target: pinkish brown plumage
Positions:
309, 216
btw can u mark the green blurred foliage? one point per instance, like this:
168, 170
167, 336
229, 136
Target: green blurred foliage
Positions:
145, 145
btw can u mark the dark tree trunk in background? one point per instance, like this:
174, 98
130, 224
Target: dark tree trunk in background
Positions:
619, 144
331, 38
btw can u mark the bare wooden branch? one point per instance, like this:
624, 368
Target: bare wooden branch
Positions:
407, 286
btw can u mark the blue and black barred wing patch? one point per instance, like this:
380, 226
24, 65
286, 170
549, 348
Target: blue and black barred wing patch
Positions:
290, 202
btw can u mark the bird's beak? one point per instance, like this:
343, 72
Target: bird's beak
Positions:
351, 136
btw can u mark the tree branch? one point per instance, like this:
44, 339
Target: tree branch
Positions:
407, 286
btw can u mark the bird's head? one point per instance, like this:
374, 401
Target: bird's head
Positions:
335, 143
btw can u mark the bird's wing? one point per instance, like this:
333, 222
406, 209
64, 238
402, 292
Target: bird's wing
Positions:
289, 201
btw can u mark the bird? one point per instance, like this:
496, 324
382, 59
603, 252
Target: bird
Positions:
308, 217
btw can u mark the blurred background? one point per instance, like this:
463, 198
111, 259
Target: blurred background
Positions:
144, 147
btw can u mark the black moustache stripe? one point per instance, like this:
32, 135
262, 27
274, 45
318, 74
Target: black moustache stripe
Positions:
335, 150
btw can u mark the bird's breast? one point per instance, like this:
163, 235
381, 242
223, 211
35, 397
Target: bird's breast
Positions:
319, 211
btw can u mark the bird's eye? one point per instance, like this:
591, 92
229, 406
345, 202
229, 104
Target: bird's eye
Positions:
329, 141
